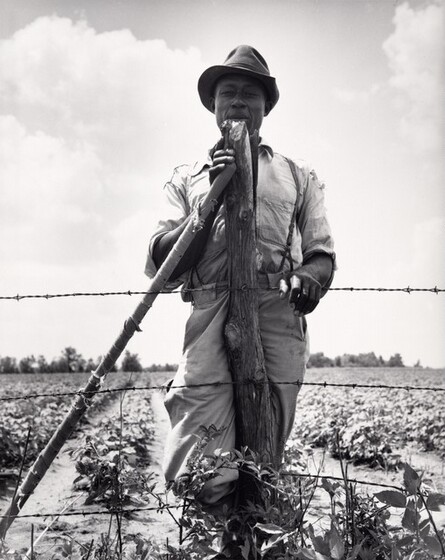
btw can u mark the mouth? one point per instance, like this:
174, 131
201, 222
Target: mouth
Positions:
238, 118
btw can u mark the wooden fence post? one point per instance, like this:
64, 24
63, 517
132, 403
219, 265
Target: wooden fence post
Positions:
242, 335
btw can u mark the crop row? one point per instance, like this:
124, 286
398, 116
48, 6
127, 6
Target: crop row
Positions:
362, 425
370, 426
40, 415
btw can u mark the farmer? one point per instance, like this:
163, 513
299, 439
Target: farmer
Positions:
294, 242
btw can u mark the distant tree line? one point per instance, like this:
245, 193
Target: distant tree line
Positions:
71, 361
368, 359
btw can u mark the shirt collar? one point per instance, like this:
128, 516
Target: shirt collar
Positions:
201, 164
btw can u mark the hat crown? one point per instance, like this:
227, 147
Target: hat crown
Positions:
245, 56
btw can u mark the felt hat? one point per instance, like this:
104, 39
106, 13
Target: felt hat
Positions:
242, 60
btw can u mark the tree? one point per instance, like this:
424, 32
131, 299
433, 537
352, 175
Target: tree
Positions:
319, 360
368, 360
69, 361
28, 365
42, 364
131, 362
396, 361
8, 365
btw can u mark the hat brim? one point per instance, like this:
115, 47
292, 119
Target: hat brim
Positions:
208, 79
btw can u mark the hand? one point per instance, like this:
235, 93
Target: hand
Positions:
304, 292
220, 158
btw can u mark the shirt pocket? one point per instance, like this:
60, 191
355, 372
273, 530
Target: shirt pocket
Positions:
274, 216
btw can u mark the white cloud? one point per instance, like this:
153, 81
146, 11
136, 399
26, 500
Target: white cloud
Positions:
415, 54
91, 124
51, 195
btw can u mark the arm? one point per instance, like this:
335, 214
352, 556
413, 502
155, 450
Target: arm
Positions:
308, 284
164, 244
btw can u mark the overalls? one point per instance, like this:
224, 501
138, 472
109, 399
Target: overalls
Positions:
204, 360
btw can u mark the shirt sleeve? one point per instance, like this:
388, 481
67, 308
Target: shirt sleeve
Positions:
313, 224
175, 209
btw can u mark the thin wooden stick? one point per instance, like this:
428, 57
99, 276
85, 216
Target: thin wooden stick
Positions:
131, 325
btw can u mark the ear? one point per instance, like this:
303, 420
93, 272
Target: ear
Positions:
212, 104
267, 108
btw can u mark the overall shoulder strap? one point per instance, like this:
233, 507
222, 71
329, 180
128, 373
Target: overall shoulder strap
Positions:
293, 221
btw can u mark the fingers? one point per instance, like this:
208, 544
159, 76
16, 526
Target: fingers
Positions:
308, 298
295, 296
283, 288
223, 157
303, 293
295, 284
220, 160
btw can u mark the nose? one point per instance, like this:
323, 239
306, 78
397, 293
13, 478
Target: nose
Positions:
238, 100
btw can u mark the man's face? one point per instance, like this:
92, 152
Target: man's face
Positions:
241, 98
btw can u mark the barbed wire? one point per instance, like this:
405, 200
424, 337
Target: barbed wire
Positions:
84, 513
18, 297
165, 387
167, 506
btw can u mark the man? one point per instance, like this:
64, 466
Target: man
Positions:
294, 245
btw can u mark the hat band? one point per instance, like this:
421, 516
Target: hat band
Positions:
242, 66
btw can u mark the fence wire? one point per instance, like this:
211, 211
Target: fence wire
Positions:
168, 506
18, 297
165, 387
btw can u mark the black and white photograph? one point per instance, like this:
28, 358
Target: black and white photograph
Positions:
222, 321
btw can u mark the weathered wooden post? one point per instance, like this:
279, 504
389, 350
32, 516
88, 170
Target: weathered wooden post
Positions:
242, 334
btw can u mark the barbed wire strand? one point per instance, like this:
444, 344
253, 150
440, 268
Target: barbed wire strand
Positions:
18, 297
323, 384
166, 506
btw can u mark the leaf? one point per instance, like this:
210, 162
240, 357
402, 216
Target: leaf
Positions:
392, 498
395, 554
411, 479
328, 486
434, 501
336, 544
433, 545
308, 554
424, 528
410, 519
245, 549
354, 552
405, 541
269, 528
270, 543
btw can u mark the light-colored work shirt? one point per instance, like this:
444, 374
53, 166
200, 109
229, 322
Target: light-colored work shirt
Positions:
276, 198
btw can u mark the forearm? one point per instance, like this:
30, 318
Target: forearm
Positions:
320, 266
165, 243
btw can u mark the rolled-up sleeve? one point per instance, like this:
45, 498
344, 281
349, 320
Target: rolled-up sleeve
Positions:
175, 209
313, 224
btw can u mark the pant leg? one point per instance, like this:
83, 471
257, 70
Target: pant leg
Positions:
286, 352
192, 408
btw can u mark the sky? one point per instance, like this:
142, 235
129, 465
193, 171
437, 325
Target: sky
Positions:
98, 104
